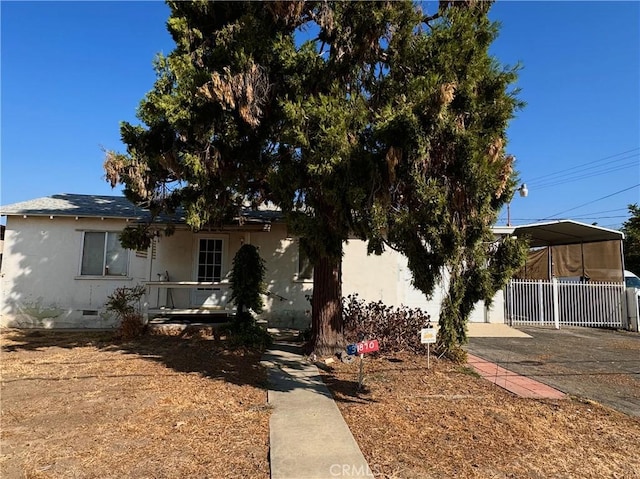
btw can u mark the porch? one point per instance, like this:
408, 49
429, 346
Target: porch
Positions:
161, 308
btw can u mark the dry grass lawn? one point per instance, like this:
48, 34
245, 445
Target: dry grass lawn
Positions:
80, 405
446, 422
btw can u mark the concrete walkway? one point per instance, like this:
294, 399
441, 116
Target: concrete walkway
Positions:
493, 330
309, 438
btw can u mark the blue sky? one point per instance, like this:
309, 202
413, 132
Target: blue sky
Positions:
71, 71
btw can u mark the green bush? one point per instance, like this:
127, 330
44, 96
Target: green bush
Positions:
247, 279
244, 332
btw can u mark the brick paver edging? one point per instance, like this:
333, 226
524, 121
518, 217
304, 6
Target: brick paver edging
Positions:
519, 385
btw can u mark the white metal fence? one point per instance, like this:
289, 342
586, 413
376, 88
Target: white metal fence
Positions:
555, 303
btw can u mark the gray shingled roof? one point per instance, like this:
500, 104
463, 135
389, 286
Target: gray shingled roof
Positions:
94, 206
76, 205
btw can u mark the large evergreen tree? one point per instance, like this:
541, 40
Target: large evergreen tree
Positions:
631, 230
373, 118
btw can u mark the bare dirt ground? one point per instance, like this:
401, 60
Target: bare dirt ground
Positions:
79, 405
444, 422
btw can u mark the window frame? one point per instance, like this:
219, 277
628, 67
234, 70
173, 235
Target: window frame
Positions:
106, 234
298, 275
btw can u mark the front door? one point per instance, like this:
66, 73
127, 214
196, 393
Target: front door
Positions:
208, 267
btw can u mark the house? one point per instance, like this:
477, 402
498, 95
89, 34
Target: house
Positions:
62, 259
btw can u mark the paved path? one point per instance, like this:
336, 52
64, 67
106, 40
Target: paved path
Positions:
309, 438
519, 385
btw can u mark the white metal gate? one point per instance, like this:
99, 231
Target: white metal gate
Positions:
556, 303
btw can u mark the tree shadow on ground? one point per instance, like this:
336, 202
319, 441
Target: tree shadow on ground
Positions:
213, 359
37, 340
346, 391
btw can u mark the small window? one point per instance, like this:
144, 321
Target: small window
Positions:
305, 268
102, 255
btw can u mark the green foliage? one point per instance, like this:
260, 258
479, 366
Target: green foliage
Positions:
140, 236
631, 230
480, 271
386, 122
247, 279
244, 332
125, 300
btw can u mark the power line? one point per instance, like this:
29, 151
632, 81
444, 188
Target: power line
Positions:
590, 202
606, 211
599, 217
537, 178
584, 215
599, 172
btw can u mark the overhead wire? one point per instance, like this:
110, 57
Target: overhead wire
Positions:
599, 172
565, 172
618, 161
553, 216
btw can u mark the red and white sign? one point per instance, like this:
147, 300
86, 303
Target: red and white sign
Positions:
368, 346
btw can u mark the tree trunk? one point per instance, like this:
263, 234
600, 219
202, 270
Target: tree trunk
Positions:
326, 318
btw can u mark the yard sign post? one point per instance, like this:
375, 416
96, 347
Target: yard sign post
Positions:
428, 336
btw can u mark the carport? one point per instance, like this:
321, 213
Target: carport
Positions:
574, 276
572, 251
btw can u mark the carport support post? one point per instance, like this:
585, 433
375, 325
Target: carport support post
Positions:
556, 303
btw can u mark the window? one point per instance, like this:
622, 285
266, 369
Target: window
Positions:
305, 268
210, 260
102, 255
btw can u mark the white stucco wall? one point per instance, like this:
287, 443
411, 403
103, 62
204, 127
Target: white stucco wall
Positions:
288, 306
42, 287
41, 282
388, 278
372, 277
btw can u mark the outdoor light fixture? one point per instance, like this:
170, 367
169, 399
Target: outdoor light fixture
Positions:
524, 192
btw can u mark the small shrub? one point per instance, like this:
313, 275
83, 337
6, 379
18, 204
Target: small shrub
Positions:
125, 303
131, 326
244, 332
249, 336
456, 355
395, 328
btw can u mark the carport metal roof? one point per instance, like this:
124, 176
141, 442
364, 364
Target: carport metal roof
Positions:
563, 232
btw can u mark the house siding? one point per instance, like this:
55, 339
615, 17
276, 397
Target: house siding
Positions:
42, 288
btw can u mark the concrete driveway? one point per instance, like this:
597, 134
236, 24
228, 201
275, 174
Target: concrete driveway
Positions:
597, 364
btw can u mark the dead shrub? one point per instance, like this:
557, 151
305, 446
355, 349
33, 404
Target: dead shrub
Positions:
131, 326
125, 303
397, 328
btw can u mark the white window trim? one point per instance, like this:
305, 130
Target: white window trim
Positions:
296, 275
126, 277
226, 266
